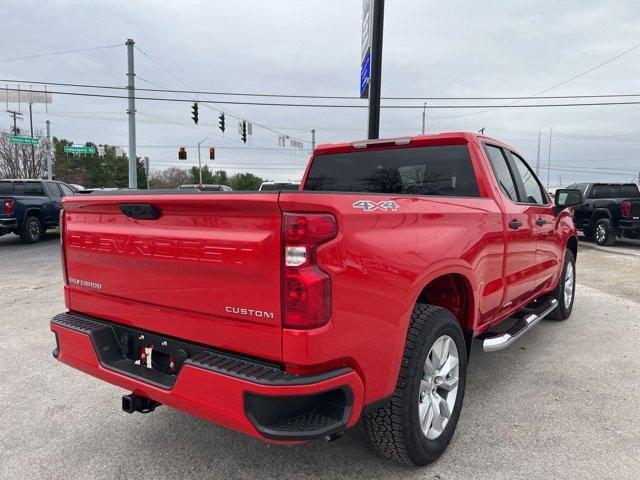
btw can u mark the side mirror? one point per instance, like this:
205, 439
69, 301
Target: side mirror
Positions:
568, 197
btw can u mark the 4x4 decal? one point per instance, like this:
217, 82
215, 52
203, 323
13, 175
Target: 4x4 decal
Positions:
370, 206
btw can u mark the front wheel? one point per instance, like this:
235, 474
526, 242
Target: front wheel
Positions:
416, 424
565, 292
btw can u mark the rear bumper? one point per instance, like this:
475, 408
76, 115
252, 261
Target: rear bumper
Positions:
252, 397
8, 224
630, 224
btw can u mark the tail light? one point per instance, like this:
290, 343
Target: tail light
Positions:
7, 206
306, 287
63, 256
626, 208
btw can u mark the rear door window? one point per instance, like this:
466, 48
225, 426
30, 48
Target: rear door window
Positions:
30, 189
438, 170
54, 191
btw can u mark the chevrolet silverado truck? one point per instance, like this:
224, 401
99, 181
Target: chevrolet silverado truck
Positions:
30, 207
609, 211
291, 315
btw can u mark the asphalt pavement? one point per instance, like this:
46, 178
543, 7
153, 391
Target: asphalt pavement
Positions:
563, 403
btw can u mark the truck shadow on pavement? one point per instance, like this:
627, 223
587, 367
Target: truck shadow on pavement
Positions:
14, 240
228, 454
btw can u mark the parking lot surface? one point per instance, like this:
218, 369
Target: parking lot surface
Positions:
562, 403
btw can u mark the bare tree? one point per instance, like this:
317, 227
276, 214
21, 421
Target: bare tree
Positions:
16, 161
169, 178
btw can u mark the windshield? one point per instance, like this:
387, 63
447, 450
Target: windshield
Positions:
439, 170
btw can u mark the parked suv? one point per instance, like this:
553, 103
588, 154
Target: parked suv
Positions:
30, 207
291, 315
609, 211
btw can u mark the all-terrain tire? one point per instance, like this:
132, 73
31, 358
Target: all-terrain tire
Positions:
394, 427
604, 233
565, 304
32, 230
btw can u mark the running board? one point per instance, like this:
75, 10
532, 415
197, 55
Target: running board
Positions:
523, 325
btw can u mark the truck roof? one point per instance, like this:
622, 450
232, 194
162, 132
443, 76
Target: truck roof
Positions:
626, 184
415, 140
25, 180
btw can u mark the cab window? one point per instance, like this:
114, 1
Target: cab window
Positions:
502, 171
533, 192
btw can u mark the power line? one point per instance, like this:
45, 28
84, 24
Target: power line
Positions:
206, 104
318, 97
60, 53
564, 82
325, 105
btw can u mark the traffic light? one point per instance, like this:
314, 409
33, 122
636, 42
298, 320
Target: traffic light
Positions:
243, 131
194, 112
182, 153
212, 153
222, 122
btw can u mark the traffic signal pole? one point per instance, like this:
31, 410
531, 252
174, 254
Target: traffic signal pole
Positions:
131, 113
376, 69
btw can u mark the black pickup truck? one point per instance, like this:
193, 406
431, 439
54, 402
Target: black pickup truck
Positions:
610, 210
30, 207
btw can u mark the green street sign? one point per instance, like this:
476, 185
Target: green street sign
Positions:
79, 149
28, 140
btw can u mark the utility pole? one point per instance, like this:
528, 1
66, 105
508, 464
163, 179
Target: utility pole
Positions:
200, 161
16, 131
549, 164
538, 157
313, 139
376, 69
14, 114
424, 117
146, 168
49, 160
131, 112
33, 152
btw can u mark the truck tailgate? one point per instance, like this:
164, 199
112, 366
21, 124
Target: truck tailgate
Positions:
207, 270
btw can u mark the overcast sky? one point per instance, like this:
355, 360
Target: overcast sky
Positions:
313, 47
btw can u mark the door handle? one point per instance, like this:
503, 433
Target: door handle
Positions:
515, 224
540, 222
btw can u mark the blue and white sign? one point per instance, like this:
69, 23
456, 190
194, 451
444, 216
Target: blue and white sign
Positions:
365, 55
365, 75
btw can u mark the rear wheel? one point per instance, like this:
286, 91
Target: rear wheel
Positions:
566, 289
416, 424
604, 233
31, 230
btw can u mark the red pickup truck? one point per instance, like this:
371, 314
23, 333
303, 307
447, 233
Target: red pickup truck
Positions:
290, 316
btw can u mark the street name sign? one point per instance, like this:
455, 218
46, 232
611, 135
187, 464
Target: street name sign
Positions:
27, 140
79, 149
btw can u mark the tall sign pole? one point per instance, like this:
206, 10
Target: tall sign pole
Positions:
131, 112
549, 162
49, 162
377, 22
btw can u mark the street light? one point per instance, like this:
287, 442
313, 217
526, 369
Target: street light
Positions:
199, 161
